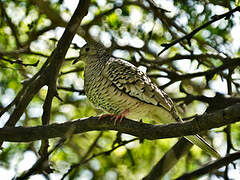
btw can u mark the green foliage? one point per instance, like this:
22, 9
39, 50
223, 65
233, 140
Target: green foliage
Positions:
237, 2
138, 28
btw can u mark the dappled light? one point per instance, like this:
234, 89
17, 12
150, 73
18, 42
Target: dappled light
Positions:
50, 128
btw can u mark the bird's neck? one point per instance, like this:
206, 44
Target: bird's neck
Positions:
97, 60
94, 66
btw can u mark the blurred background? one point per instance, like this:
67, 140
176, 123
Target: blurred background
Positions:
203, 77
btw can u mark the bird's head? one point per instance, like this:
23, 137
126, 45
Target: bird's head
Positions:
91, 51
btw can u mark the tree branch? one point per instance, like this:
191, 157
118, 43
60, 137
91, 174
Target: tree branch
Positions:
205, 122
190, 35
211, 167
18, 61
10, 23
174, 76
85, 156
52, 65
98, 154
39, 164
169, 160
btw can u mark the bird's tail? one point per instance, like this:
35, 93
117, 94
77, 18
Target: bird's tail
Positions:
201, 143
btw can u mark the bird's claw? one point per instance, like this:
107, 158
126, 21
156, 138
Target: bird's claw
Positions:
115, 117
104, 116
120, 117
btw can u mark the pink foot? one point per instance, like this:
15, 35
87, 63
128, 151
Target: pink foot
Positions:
120, 117
105, 115
115, 117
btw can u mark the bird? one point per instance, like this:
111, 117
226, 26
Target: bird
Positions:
124, 91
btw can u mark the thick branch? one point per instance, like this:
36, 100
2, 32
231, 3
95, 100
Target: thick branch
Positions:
55, 61
169, 160
148, 131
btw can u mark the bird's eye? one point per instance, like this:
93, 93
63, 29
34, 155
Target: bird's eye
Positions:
87, 49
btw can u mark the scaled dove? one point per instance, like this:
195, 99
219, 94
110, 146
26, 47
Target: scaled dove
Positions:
120, 88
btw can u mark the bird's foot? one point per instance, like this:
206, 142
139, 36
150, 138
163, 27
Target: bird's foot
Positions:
104, 116
115, 117
119, 117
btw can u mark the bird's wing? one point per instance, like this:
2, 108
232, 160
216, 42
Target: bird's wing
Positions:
129, 79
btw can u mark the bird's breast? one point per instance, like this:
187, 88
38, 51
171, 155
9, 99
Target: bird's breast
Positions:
105, 95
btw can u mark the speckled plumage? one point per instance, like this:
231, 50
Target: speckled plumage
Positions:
117, 86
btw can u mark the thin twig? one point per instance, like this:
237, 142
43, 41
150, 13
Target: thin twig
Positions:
99, 154
71, 89
85, 155
11, 25
190, 35
39, 164
19, 62
211, 166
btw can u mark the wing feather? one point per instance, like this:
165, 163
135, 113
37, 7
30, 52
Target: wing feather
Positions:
129, 79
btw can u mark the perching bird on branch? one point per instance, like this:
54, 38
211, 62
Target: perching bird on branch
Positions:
120, 88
